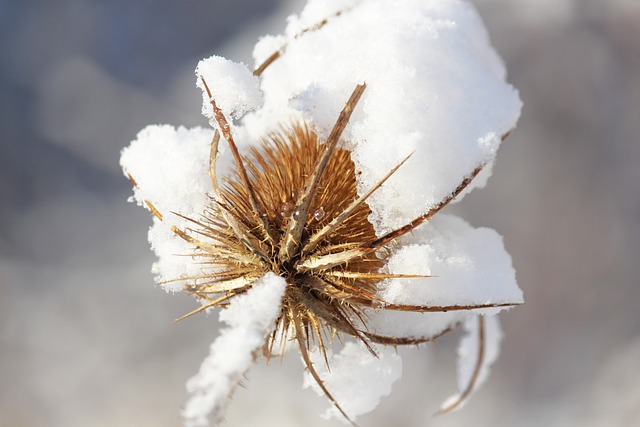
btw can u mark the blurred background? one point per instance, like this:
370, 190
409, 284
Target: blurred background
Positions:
86, 338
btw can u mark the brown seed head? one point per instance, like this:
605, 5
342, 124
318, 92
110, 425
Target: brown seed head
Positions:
322, 297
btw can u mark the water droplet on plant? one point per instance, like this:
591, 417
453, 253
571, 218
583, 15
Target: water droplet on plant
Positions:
286, 209
319, 214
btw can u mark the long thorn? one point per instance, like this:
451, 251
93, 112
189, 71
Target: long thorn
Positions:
294, 230
213, 159
226, 132
324, 231
393, 235
387, 340
359, 275
275, 55
309, 364
253, 243
445, 308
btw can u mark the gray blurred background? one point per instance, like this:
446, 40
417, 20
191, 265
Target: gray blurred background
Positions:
86, 338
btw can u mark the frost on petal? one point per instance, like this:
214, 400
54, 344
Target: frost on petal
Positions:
434, 86
357, 379
476, 353
250, 317
469, 266
235, 89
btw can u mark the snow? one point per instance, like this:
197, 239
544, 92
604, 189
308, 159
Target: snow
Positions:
357, 380
469, 266
250, 318
170, 167
159, 158
233, 86
447, 99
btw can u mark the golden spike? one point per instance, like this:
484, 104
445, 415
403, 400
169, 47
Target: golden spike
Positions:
320, 234
294, 230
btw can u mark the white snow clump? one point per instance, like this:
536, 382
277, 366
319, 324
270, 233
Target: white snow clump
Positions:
359, 379
250, 318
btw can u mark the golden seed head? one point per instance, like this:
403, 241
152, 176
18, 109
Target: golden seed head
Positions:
323, 297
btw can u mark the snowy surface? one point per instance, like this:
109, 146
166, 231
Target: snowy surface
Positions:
357, 380
435, 87
250, 318
232, 85
468, 266
170, 167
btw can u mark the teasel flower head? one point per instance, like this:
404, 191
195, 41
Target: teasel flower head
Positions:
315, 202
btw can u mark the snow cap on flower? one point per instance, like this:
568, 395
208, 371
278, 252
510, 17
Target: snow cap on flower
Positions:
232, 84
434, 86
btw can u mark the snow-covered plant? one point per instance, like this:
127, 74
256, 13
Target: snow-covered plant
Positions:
359, 125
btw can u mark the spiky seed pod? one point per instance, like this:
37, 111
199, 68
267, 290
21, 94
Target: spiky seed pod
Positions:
291, 207
279, 169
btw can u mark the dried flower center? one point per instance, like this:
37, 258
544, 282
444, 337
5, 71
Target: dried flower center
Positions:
321, 295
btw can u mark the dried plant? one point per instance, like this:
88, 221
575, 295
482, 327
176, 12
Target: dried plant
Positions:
291, 207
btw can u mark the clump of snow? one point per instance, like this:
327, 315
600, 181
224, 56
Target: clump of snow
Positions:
250, 318
170, 168
357, 379
434, 85
468, 266
468, 357
233, 86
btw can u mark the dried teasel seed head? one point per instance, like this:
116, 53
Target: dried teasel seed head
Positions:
291, 208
